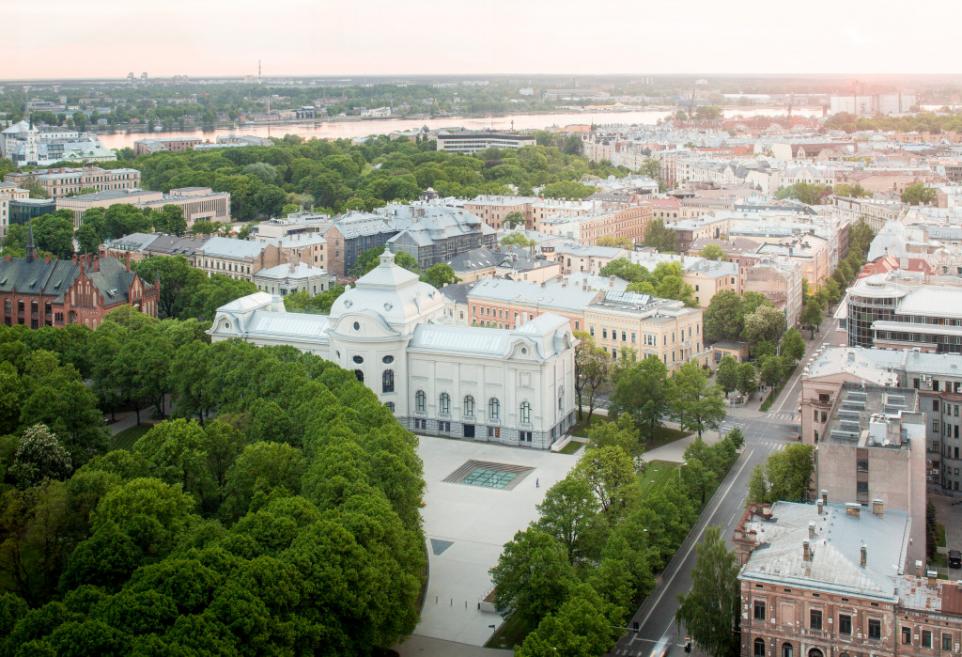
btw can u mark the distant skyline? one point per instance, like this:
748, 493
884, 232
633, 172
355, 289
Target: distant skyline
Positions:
107, 38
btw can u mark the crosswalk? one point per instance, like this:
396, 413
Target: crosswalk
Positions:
774, 445
785, 416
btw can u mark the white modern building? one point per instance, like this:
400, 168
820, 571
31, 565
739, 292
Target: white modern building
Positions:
293, 277
514, 387
472, 142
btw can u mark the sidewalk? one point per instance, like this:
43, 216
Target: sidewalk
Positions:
428, 646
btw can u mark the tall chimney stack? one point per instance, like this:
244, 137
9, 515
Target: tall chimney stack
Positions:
806, 551
863, 555
878, 507
824, 496
820, 506
811, 529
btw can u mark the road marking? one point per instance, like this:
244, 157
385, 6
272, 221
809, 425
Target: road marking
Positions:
691, 547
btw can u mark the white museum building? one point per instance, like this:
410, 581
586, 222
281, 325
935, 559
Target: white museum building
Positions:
511, 386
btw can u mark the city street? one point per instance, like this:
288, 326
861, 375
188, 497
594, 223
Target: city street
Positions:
765, 433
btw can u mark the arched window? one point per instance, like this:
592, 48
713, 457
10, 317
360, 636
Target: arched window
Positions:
444, 404
420, 401
387, 381
815, 652
494, 409
525, 413
759, 648
360, 375
469, 406
788, 650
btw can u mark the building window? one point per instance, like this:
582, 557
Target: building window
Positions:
494, 432
494, 409
815, 619
387, 381
946, 641
926, 639
759, 648
390, 406
525, 413
444, 427
444, 404
759, 609
906, 636
420, 401
844, 624
420, 424
874, 629
469, 406
524, 436
360, 375
787, 650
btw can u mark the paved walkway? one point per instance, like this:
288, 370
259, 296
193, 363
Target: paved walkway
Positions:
466, 527
430, 647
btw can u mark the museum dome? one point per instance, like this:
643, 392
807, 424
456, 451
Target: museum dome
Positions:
392, 292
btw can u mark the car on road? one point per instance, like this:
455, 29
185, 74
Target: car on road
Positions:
955, 559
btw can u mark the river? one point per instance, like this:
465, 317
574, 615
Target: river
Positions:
365, 128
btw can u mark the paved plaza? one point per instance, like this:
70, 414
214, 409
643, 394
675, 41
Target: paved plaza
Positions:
466, 525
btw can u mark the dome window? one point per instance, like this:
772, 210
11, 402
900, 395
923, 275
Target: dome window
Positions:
358, 359
388, 306
387, 360
357, 326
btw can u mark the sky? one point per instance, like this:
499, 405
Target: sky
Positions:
108, 38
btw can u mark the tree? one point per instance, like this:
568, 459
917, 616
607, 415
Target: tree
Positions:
518, 239
746, 379
439, 275
812, 315
793, 345
123, 219
170, 219
303, 302
758, 487
660, 237
765, 323
608, 471
513, 219
725, 317
625, 269
773, 370
178, 283
567, 189
39, 456
580, 628
591, 372
369, 259
712, 252
54, 233
88, 241
204, 227
569, 513
851, 191
616, 242
710, 608
808, 193
533, 576
918, 194
641, 391
695, 403
727, 374
789, 473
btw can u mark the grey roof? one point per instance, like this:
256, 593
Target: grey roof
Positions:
173, 245
295, 270
510, 257
226, 247
457, 292
571, 298
132, 242
834, 565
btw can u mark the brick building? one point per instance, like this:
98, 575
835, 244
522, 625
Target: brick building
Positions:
39, 292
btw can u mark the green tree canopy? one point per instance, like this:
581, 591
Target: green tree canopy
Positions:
709, 611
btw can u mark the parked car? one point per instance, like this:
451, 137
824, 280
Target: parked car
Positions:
955, 559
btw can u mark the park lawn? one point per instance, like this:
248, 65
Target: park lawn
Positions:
664, 435
126, 438
580, 428
572, 447
511, 633
657, 474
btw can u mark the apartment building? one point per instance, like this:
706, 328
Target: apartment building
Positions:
780, 281
630, 222
834, 579
196, 203
58, 183
9, 192
503, 303
936, 379
574, 257
437, 233
293, 277
706, 277
667, 329
166, 144
493, 210
239, 259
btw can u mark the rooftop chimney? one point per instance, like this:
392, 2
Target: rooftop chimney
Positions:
824, 496
806, 551
919, 567
863, 556
853, 509
811, 529
878, 507
933, 577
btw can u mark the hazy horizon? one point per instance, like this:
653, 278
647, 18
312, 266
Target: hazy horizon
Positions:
224, 38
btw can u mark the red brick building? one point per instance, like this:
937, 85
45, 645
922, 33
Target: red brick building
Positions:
39, 292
